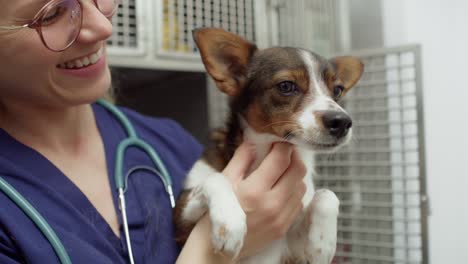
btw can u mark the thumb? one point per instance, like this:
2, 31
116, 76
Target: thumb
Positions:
240, 162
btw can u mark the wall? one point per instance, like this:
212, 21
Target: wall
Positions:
365, 23
181, 96
440, 26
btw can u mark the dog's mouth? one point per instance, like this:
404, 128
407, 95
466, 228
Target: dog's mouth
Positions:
316, 146
325, 145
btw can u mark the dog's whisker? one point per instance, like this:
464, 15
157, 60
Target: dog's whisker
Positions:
278, 123
355, 140
292, 133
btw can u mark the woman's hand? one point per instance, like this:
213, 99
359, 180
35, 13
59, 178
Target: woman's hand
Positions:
271, 196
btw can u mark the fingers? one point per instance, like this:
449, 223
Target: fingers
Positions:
289, 182
240, 162
273, 166
290, 211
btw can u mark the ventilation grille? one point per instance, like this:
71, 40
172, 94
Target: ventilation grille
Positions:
378, 177
125, 33
180, 17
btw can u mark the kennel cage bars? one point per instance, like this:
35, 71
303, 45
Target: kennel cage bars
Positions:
380, 176
157, 34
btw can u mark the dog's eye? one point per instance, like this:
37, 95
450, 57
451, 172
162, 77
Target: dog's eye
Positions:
287, 88
337, 91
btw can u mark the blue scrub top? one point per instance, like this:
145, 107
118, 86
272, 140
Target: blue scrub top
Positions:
85, 234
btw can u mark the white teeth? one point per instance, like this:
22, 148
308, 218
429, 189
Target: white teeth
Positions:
86, 61
83, 62
93, 58
79, 64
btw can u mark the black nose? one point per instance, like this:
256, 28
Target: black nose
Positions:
337, 123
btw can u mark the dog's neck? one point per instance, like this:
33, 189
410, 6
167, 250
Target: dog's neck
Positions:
239, 130
261, 142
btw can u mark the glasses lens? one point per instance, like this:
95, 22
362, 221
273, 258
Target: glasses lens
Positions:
108, 7
60, 24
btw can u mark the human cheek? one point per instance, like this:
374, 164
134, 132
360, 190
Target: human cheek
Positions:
25, 63
25, 47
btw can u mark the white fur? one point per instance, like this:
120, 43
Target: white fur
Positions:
198, 174
228, 220
212, 191
322, 100
323, 230
196, 204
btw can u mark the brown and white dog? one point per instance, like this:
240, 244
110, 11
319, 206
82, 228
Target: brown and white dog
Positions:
276, 94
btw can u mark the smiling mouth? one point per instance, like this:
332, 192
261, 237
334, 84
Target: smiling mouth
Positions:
82, 62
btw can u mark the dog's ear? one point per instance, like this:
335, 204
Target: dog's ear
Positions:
225, 56
348, 70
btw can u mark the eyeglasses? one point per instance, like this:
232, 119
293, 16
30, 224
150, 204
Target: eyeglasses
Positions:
59, 22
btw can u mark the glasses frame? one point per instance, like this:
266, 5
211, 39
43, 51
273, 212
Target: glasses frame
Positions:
36, 21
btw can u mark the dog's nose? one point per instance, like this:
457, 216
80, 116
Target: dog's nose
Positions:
337, 123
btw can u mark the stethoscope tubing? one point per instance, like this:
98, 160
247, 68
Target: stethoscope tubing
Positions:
37, 219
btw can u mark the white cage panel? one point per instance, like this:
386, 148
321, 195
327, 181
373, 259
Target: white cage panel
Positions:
126, 35
379, 177
180, 17
307, 23
158, 33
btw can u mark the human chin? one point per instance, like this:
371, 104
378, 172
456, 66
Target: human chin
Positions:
80, 91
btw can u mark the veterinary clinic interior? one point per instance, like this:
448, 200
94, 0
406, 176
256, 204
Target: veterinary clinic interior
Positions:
401, 181
402, 178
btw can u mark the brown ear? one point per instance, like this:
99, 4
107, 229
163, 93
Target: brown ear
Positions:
348, 70
225, 56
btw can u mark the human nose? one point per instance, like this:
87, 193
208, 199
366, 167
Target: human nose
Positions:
96, 26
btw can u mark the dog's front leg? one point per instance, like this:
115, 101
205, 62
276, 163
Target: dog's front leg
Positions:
228, 219
322, 233
209, 190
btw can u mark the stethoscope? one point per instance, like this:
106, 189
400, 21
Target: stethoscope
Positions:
132, 140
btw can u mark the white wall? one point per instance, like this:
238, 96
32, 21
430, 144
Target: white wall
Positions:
441, 26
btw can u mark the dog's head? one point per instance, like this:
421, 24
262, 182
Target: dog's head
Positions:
290, 93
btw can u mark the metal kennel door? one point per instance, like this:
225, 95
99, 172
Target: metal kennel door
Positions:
380, 176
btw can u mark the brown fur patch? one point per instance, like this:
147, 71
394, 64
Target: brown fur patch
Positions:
222, 232
225, 56
344, 71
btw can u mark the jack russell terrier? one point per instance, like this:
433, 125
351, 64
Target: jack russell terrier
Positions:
276, 94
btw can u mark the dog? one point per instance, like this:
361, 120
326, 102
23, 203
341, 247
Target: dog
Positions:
276, 94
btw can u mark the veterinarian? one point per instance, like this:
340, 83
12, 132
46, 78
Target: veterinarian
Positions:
58, 151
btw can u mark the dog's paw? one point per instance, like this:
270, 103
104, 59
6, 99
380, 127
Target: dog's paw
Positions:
325, 204
323, 228
229, 228
322, 251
